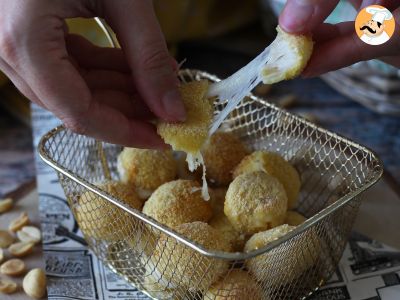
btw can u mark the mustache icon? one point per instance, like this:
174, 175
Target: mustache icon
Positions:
368, 28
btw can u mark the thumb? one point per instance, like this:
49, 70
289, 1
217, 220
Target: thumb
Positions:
153, 69
347, 48
303, 16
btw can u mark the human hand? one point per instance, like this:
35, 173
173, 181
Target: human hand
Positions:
337, 46
109, 94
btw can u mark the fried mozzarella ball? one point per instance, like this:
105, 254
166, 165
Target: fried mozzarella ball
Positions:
183, 266
288, 56
146, 169
293, 218
236, 285
255, 202
221, 223
276, 166
102, 220
286, 262
190, 135
178, 202
222, 153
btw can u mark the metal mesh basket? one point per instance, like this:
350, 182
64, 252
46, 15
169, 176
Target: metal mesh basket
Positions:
334, 173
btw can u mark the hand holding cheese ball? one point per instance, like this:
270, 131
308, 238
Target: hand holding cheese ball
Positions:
337, 45
109, 94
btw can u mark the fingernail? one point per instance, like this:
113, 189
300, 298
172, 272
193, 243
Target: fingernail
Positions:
173, 106
296, 15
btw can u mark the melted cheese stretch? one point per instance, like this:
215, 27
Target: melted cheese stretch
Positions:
190, 136
194, 161
284, 59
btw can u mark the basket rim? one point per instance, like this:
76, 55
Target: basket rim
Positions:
377, 174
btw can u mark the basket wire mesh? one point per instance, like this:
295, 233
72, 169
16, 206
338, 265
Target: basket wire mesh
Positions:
165, 265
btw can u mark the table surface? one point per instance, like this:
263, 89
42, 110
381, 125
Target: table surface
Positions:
29, 204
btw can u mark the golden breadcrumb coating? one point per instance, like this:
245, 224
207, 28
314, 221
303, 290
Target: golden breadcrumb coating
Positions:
183, 266
255, 202
221, 223
288, 57
222, 153
190, 135
178, 202
293, 218
261, 239
100, 219
285, 263
146, 169
276, 166
236, 285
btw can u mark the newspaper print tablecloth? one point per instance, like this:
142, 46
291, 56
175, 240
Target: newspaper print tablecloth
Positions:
368, 269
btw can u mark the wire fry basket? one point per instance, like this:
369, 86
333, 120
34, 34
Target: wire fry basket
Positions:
165, 265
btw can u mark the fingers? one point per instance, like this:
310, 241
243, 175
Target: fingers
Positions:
304, 16
34, 52
129, 105
144, 46
46, 67
90, 56
19, 83
346, 49
108, 80
110, 125
102, 115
